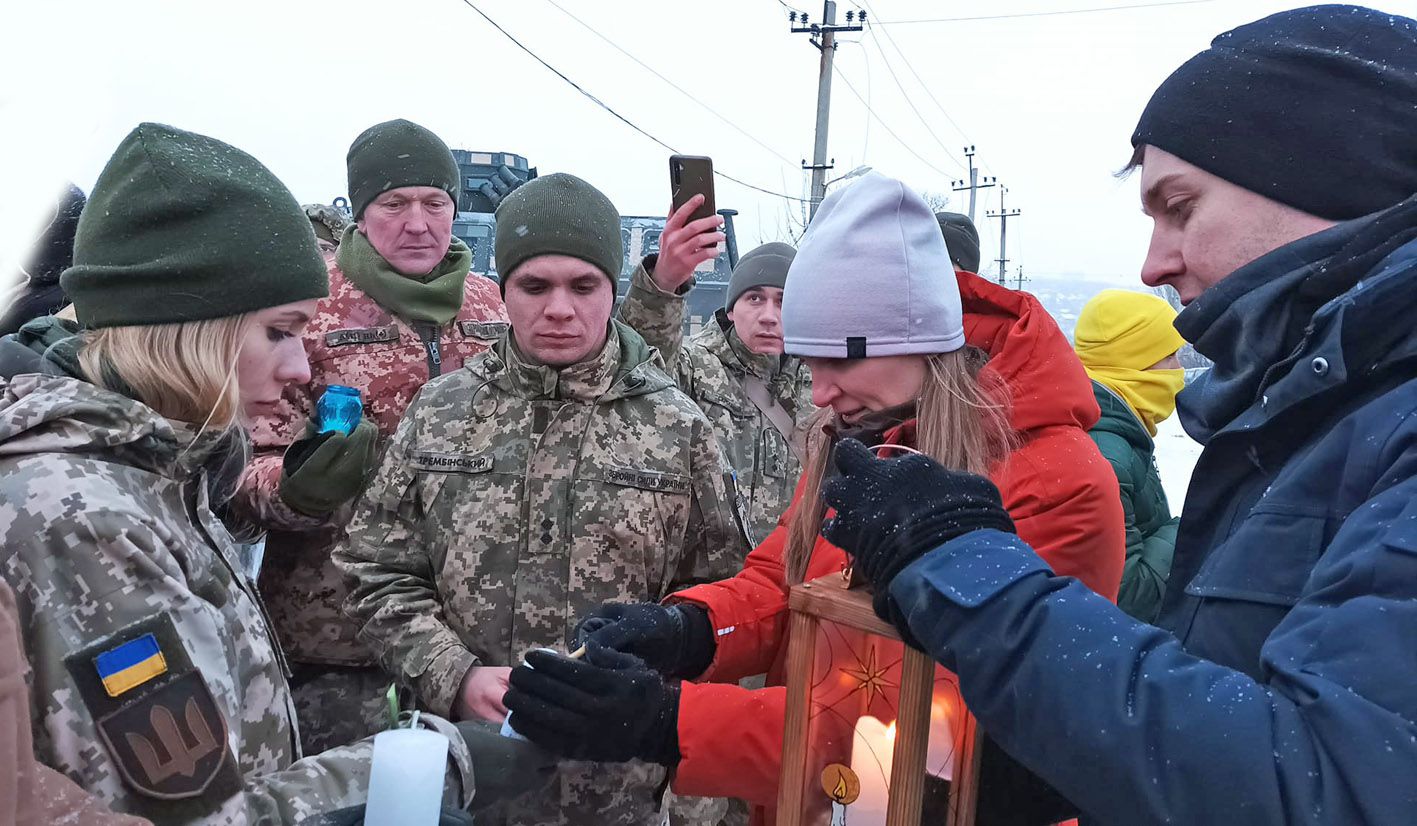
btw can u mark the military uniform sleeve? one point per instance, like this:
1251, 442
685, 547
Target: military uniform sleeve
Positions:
716, 541
132, 638
258, 501
656, 315
392, 590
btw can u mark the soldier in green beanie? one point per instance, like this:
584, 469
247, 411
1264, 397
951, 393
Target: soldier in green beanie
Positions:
734, 367
403, 308
195, 273
559, 470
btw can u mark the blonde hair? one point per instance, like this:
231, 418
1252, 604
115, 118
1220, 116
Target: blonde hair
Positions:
962, 422
183, 371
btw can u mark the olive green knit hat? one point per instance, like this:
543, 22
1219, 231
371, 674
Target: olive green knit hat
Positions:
558, 214
182, 227
398, 153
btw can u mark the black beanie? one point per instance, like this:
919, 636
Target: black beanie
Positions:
558, 214
54, 251
398, 153
1315, 108
763, 266
962, 237
182, 227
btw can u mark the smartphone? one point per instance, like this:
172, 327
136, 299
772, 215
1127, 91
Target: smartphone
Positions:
691, 175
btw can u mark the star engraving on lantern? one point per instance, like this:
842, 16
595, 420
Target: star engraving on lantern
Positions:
869, 677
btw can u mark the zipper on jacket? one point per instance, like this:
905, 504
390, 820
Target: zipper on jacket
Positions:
429, 333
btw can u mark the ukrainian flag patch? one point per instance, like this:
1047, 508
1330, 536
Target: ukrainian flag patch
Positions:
130, 665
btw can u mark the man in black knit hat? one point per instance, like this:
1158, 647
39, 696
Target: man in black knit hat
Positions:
1279, 167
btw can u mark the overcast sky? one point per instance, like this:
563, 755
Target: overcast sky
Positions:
1050, 101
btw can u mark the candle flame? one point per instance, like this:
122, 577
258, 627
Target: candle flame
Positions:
840, 791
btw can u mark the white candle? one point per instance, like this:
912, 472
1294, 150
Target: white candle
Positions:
940, 753
406, 779
872, 752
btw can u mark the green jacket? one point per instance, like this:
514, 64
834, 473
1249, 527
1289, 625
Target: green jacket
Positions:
1151, 529
144, 633
514, 499
712, 368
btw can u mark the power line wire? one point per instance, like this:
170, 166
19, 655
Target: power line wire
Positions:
908, 102
866, 142
671, 83
603, 105
923, 85
1041, 13
886, 126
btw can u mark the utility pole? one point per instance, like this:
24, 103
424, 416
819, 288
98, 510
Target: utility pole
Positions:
823, 36
974, 185
1004, 214
1018, 281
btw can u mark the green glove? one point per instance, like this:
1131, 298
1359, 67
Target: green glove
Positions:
322, 471
503, 767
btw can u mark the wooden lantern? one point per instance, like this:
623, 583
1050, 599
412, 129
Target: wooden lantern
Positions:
812, 784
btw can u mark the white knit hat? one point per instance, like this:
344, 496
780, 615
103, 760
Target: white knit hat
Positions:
872, 277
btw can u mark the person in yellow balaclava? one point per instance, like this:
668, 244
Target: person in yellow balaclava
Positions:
1128, 344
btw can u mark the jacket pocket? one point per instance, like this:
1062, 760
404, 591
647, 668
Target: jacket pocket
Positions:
738, 408
1268, 559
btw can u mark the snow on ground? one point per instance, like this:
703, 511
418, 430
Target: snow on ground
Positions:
1176, 455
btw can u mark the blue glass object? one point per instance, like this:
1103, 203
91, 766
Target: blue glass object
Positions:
339, 409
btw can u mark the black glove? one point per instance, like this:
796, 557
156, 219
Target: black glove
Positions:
503, 767
322, 471
890, 512
675, 640
354, 816
609, 707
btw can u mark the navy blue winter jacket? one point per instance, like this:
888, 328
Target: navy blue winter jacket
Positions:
1281, 685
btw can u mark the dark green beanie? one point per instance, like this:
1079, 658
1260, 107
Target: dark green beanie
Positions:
558, 215
962, 238
764, 266
398, 153
182, 227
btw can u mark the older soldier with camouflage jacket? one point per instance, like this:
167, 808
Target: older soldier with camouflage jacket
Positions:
733, 368
558, 471
157, 684
402, 308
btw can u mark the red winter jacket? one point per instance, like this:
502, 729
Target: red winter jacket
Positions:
1059, 490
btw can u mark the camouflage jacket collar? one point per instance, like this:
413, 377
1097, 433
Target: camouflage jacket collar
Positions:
624, 367
721, 340
60, 414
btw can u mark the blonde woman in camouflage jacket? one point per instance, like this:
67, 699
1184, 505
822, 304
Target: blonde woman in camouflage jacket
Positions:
557, 471
157, 685
734, 368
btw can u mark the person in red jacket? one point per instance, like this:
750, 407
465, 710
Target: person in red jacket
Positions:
889, 385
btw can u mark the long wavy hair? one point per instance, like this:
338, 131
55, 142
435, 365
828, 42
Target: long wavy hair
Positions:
962, 422
183, 371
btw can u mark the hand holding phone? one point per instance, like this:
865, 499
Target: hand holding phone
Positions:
691, 175
692, 233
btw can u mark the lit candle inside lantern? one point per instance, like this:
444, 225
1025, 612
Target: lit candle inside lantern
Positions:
872, 751
939, 758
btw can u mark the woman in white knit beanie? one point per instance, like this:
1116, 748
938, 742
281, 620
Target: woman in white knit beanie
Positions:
872, 307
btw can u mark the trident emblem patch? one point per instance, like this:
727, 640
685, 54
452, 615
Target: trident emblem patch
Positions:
171, 742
